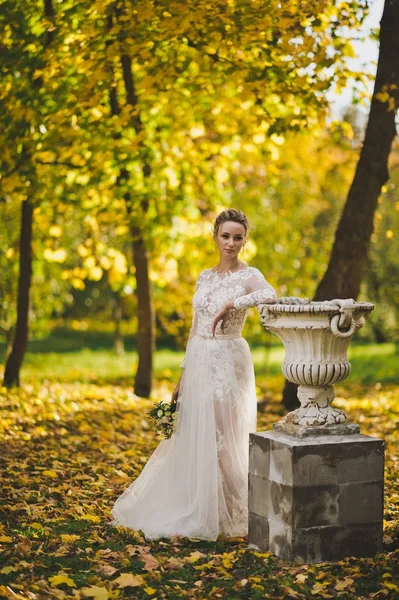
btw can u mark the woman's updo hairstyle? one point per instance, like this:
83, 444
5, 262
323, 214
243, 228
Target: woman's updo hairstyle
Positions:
231, 214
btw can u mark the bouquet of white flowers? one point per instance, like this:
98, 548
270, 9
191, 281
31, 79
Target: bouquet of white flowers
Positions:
164, 417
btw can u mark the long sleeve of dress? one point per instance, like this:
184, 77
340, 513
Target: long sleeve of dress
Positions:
258, 291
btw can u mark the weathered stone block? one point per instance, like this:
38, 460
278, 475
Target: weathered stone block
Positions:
365, 462
361, 502
315, 505
269, 498
312, 469
362, 540
281, 502
258, 531
259, 455
314, 544
280, 537
320, 496
327, 460
281, 462
259, 495
329, 543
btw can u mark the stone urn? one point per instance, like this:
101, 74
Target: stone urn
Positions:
315, 483
316, 336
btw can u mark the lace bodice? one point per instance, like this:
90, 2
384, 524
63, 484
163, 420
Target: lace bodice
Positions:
246, 288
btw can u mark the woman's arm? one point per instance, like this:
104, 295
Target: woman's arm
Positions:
259, 291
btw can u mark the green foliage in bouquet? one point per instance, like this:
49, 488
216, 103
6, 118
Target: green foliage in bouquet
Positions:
164, 416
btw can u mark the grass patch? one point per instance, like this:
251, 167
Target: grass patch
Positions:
90, 357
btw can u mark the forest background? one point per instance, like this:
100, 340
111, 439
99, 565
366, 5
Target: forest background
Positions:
125, 128
128, 130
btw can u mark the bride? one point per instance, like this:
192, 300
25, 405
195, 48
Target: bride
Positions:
195, 483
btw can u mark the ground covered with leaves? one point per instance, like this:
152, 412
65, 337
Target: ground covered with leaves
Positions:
69, 448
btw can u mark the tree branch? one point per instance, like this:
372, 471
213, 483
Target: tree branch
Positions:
63, 163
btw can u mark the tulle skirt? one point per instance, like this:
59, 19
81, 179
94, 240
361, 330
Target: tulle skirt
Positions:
195, 483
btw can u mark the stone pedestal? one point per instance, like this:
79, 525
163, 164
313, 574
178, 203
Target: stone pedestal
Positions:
316, 499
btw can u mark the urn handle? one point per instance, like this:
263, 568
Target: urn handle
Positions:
344, 319
342, 334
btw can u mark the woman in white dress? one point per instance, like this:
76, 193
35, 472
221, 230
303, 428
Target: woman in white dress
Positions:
195, 483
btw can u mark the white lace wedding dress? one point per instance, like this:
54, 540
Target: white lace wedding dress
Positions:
195, 483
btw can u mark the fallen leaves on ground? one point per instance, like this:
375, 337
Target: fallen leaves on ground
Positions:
67, 452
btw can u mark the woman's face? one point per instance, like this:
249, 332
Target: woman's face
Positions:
230, 239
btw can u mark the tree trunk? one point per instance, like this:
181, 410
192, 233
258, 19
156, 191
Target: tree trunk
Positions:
15, 358
290, 398
9, 339
20, 342
145, 309
374, 283
145, 316
343, 276
117, 316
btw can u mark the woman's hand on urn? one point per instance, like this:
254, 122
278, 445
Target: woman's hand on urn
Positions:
221, 315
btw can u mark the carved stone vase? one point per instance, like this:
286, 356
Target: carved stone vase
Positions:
316, 336
315, 483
